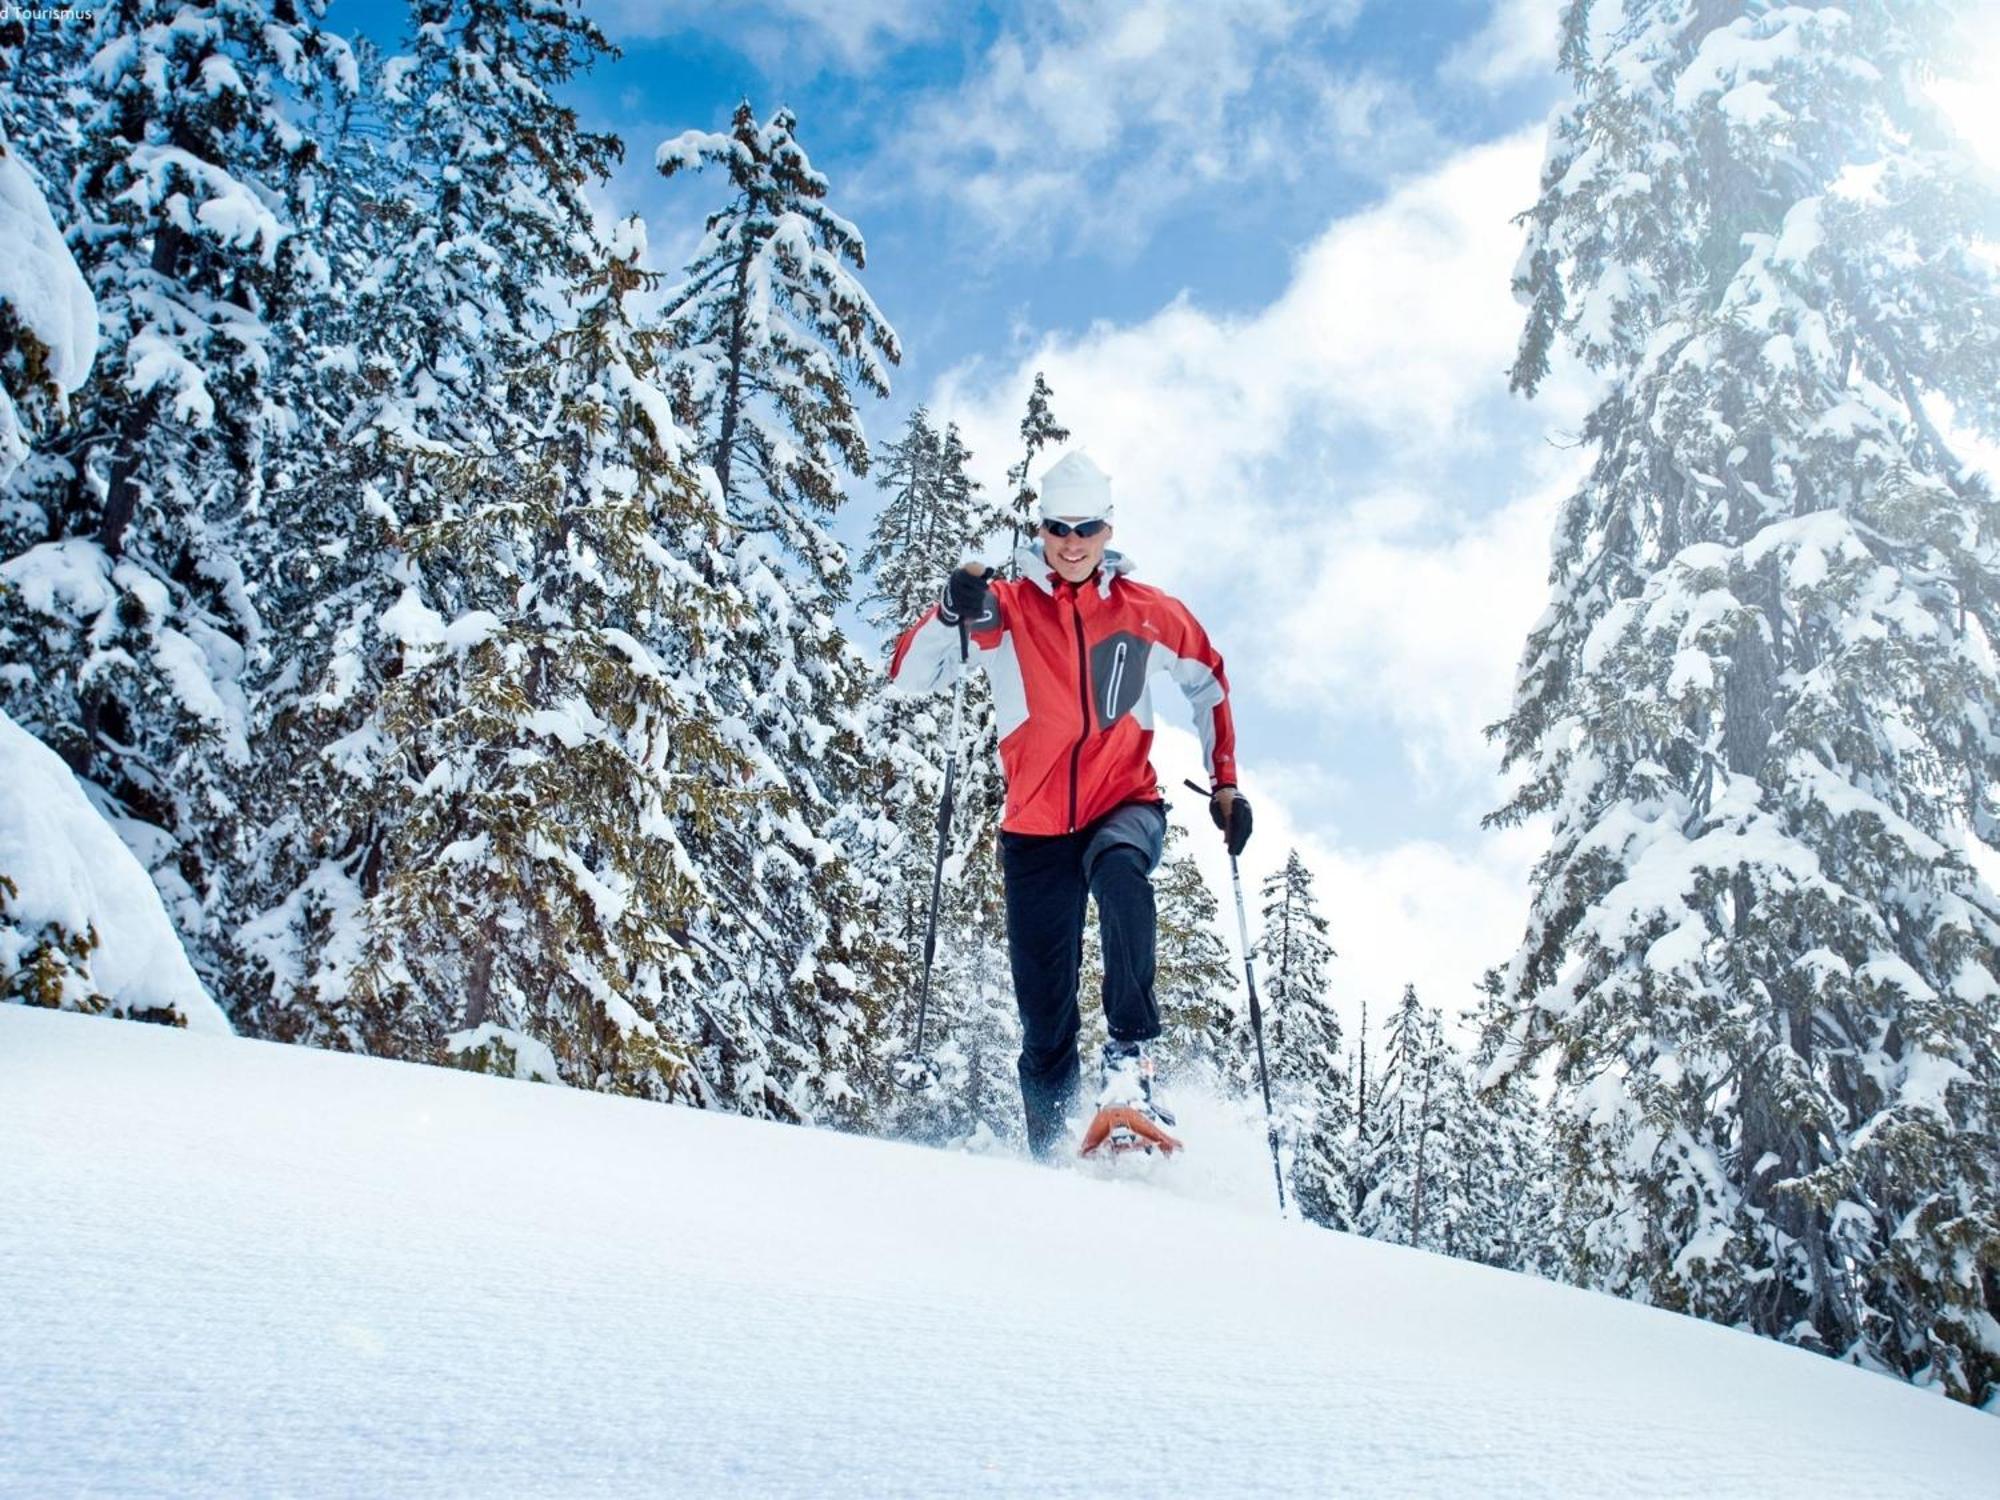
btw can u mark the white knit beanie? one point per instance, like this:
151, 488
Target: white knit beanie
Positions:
1074, 488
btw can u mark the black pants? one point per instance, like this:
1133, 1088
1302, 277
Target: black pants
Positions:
1049, 884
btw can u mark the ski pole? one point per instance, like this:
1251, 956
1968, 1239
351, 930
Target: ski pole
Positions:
1256, 1018
923, 1077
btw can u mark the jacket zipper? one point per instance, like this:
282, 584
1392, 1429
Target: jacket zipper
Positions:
1083, 702
1117, 681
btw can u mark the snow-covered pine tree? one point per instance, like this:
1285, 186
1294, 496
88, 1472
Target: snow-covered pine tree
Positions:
1760, 708
172, 130
772, 329
539, 896
1311, 1079
1423, 1170
910, 541
1396, 1150
1487, 1194
48, 338
48, 318
1039, 429
773, 334
1206, 1036
929, 522
1362, 1114
912, 546
456, 228
982, 794
465, 230
351, 224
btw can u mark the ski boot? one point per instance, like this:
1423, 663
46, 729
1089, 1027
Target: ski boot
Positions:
1128, 1117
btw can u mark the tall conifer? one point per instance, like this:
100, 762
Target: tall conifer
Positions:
1760, 706
173, 133
1295, 953
773, 335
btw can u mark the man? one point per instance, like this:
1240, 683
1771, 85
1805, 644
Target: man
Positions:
1069, 647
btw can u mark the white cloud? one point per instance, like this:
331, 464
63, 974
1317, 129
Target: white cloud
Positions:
1426, 627
1249, 453
1517, 42
1421, 912
1341, 487
784, 34
1091, 119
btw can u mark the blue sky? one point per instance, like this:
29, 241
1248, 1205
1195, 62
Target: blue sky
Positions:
1261, 248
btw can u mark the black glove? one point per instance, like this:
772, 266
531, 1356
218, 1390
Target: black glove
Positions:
964, 597
1236, 831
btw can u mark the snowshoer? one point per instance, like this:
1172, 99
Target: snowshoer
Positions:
1070, 646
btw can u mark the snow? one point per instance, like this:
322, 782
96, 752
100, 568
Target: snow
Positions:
424, 630
1861, 182
1737, 53
70, 578
1752, 104
533, 1061
70, 868
227, 208
1693, 672
42, 287
235, 1267
156, 360
1802, 235
39, 280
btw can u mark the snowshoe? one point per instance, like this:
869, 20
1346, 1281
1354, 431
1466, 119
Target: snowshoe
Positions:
1128, 1117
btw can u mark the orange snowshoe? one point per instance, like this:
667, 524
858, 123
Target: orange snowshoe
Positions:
1118, 1128
1127, 1118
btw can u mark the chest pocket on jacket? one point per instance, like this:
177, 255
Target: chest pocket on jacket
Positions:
1117, 675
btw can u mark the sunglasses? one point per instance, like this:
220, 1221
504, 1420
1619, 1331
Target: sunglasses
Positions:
1085, 529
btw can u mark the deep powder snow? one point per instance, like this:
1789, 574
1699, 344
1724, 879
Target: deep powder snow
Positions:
238, 1268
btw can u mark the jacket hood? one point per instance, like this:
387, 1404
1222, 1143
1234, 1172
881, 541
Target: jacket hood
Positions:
1030, 563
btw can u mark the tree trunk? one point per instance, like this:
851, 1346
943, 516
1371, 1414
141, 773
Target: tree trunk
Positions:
479, 989
732, 388
1423, 1141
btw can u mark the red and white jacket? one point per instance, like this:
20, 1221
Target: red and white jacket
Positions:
1070, 666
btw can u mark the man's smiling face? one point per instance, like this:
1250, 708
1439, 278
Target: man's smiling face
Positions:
1076, 556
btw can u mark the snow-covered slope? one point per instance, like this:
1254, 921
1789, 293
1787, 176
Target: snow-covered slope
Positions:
72, 875
237, 1268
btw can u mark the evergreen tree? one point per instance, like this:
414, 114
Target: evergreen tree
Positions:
1759, 708
1395, 1155
541, 897
457, 230
1487, 1192
913, 543
1364, 1122
1423, 1171
772, 332
172, 133
48, 319
48, 338
772, 328
1311, 1080
1039, 429
1195, 979
928, 523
